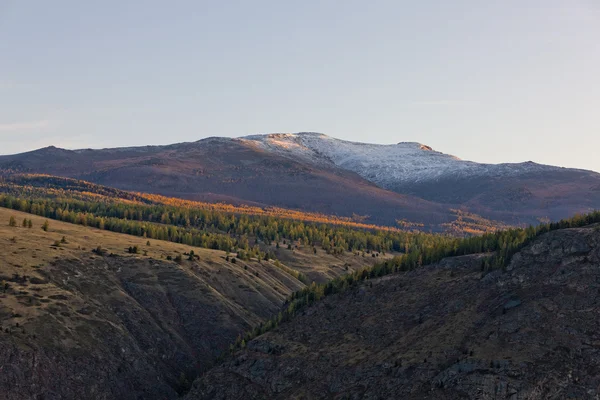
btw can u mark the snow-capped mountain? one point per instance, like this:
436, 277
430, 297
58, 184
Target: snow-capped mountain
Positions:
315, 172
388, 166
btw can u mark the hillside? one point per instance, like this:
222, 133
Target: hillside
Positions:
446, 331
513, 193
233, 171
379, 184
375, 184
81, 324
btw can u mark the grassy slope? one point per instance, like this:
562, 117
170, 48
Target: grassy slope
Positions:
81, 314
32, 251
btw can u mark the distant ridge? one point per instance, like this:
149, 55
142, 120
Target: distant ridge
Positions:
407, 181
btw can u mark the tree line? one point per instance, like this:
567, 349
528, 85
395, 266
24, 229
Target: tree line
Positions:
210, 228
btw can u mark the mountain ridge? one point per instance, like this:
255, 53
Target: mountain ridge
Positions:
315, 172
422, 146
260, 137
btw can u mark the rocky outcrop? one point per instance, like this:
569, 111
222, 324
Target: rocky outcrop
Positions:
441, 332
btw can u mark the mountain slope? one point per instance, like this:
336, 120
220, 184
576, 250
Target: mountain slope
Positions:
386, 165
76, 324
441, 332
235, 171
315, 172
513, 193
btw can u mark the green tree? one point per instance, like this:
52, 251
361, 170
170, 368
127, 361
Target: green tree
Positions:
184, 384
30, 224
24, 223
12, 222
45, 226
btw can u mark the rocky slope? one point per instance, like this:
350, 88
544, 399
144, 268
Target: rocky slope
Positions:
446, 331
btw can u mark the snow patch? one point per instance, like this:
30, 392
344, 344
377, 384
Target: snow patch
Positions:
386, 165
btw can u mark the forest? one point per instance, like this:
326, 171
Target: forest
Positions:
181, 221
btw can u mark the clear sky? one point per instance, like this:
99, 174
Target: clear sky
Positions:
490, 81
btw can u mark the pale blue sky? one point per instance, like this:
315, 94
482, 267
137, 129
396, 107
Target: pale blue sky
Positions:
489, 81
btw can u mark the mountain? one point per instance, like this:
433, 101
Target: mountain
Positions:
235, 171
379, 184
513, 193
445, 331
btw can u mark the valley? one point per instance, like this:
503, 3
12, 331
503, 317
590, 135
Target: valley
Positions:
121, 291
81, 323
445, 331
311, 200
113, 294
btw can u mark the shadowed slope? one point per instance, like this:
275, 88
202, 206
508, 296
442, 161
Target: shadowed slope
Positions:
440, 332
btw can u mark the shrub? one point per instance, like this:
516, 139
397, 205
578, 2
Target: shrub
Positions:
12, 222
99, 250
183, 384
45, 226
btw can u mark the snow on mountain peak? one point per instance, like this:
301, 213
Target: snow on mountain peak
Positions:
385, 165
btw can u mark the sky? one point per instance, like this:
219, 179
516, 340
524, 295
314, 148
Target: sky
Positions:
488, 81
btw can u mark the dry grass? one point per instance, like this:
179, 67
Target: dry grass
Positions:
28, 257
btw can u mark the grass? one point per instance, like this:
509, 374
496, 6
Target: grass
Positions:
34, 253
